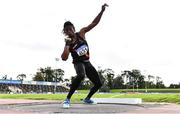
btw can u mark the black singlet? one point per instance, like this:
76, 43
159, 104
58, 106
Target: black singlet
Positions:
79, 50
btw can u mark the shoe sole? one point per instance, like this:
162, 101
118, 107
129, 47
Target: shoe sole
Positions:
66, 107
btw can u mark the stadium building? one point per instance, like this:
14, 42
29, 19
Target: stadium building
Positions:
19, 86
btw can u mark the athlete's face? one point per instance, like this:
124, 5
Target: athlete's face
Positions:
69, 31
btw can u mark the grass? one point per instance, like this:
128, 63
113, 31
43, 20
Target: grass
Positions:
149, 90
169, 98
140, 90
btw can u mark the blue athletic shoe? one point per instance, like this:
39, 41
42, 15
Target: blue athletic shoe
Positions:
89, 101
66, 103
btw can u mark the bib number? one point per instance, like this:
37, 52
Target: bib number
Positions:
82, 50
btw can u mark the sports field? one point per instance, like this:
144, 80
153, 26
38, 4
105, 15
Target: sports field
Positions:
169, 98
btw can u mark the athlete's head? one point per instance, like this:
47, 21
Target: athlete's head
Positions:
69, 29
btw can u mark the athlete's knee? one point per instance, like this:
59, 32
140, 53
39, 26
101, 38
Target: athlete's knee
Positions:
78, 78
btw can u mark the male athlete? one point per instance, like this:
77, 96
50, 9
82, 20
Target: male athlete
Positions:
76, 44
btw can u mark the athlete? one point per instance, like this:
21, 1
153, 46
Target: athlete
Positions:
76, 44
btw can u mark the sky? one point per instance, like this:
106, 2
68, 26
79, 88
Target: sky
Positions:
132, 34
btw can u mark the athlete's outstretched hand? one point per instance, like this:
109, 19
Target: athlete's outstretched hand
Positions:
104, 6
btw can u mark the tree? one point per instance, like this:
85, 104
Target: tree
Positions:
138, 78
21, 76
150, 83
42, 73
135, 74
48, 74
159, 82
104, 82
38, 77
118, 82
141, 81
4, 77
58, 75
109, 76
126, 75
101, 76
174, 85
133, 78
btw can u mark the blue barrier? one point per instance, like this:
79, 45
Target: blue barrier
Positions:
11, 81
27, 82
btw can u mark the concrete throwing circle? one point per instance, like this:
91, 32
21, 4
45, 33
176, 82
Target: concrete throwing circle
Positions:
56, 108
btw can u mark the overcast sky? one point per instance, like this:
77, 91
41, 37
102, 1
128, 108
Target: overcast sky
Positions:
132, 34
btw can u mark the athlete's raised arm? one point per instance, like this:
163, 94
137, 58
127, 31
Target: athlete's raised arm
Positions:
94, 22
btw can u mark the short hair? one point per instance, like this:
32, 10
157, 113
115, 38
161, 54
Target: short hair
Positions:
68, 23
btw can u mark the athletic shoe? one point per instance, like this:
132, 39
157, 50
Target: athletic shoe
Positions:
89, 101
66, 103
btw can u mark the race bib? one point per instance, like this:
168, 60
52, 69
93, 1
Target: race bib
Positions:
82, 50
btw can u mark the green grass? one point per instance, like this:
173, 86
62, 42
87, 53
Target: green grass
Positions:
139, 90
149, 90
169, 98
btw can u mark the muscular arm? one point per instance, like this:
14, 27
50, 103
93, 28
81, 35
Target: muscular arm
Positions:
94, 22
65, 54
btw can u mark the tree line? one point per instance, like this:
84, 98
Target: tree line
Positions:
127, 79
